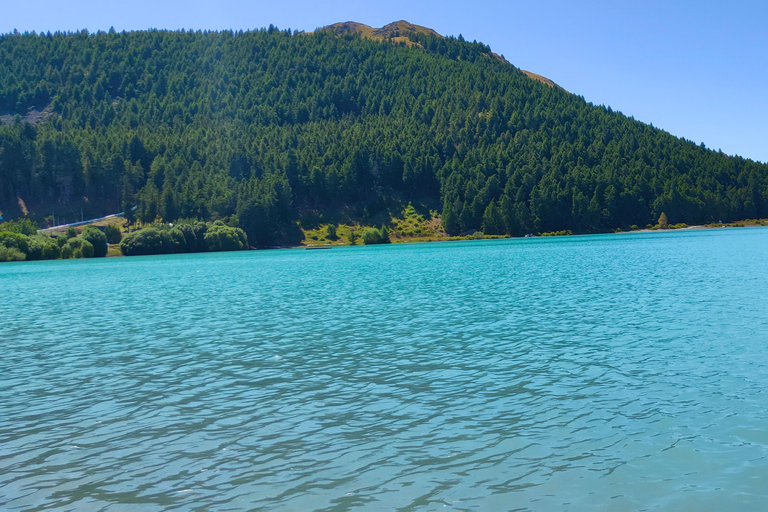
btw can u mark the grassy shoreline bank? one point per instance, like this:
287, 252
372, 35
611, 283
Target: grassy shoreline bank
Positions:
414, 228
319, 242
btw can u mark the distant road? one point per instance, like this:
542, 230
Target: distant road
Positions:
85, 222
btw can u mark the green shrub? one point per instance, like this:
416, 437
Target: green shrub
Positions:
71, 233
42, 247
225, 238
97, 239
66, 252
177, 240
13, 240
146, 241
194, 234
61, 240
22, 226
187, 236
80, 247
331, 232
243, 238
11, 254
51, 251
373, 236
190, 237
113, 234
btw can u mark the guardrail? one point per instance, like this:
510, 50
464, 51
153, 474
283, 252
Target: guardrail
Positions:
85, 222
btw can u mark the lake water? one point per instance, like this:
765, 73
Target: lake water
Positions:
613, 372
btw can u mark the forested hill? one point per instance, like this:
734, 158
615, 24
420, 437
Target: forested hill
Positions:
268, 125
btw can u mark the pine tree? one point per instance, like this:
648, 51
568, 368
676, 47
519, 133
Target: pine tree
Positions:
493, 222
663, 222
450, 219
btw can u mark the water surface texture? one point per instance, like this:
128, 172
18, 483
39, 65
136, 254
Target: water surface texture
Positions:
614, 372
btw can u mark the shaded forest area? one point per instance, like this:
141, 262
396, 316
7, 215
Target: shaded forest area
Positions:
265, 126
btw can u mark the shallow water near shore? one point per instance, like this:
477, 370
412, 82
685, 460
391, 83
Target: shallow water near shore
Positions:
610, 372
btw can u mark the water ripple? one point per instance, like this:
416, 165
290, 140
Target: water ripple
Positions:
623, 372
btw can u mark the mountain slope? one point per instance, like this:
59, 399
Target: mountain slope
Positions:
268, 126
398, 31
404, 32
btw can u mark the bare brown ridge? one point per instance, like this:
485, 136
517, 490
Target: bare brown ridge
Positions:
399, 31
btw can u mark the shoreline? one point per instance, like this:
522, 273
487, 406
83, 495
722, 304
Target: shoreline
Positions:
750, 223
114, 251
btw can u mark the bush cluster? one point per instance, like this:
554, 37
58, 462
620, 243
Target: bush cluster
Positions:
77, 248
184, 238
22, 226
11, 254
372, 236
113, 234
42, 247
16, 241
97, 239
20, 240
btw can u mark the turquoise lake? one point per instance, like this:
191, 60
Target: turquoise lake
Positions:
609, 372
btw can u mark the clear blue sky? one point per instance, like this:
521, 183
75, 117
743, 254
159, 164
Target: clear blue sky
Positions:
698, 69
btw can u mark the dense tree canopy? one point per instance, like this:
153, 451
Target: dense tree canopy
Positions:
266, 124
